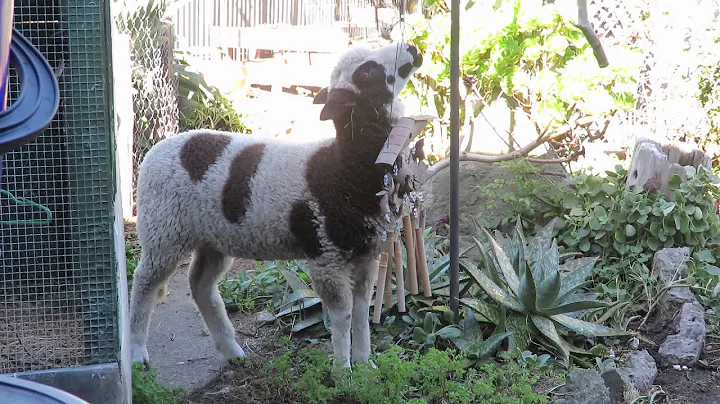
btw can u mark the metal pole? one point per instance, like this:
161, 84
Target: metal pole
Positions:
6, 24
454, 156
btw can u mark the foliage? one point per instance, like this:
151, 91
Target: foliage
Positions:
132, 259
529, 55
252, 289
709, 97
400, 376
626, 225
541, 294
202, 105
146, 390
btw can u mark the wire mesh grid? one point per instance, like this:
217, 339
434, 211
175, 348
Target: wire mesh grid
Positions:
153, 76
58, 300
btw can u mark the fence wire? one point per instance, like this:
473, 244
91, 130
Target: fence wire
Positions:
154, 82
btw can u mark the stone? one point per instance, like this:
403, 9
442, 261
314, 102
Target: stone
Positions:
474, 176
671, 264
637, 369
684, 346
585, 386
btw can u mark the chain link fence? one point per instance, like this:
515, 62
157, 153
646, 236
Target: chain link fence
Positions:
154, 83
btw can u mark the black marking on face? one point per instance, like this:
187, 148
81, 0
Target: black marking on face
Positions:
369, 74
405, 70
391, 79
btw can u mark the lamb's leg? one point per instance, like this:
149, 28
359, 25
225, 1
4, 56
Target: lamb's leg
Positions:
150, 273
333, 284
366, 269
206, 269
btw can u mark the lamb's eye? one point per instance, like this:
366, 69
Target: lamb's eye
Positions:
391, 79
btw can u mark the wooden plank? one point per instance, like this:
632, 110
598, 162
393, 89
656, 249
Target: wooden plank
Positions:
263, 73
310, 38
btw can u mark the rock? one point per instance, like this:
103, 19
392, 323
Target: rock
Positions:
585, 386
637, 369
684, 347
670, 264
473, 201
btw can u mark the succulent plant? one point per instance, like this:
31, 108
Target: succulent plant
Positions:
535, 292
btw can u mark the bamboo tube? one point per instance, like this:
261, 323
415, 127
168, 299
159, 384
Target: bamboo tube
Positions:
410, 250
422, 268
379, 291
399, 277
388, 275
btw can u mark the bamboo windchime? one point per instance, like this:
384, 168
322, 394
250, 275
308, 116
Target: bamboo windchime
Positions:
413, 227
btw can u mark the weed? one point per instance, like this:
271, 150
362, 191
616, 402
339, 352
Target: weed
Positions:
146, 390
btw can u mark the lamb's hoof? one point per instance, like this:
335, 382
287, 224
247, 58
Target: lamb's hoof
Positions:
140, 355
232, 351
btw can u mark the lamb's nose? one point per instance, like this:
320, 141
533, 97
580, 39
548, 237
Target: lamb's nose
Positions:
413, 50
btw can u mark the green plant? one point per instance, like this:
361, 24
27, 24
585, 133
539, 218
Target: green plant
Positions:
529, 55
251, 289
132, 259
146, 390
202, 105
400, 376
540, 293
624, 226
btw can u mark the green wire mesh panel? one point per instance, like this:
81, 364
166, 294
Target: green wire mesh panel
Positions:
58, 297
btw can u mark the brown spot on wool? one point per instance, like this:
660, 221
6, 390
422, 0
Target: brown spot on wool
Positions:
201, 151
237, 190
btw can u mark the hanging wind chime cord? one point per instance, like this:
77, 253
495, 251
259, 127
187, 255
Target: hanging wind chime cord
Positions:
401, 23
26, 202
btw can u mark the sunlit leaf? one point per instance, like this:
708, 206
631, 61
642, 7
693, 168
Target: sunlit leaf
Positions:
547, 328
587, 329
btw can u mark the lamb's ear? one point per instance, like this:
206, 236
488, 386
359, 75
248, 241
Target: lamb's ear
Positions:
321, 97
338, 102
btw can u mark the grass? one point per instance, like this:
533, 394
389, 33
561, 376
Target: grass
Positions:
146, 390
304, 376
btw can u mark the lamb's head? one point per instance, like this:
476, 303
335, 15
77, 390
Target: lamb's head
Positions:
369, 78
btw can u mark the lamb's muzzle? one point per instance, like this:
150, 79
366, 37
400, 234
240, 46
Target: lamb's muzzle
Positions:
221, 195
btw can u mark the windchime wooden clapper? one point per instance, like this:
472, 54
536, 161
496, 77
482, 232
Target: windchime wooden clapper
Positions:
410, 222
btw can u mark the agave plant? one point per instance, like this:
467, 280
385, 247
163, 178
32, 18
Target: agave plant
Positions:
536, 294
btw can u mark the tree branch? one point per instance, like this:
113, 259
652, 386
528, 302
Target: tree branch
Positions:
589, 32
522, 152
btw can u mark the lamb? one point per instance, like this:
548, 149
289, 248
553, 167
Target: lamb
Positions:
220, 195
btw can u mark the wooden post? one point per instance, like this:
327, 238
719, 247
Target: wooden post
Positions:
399, 277
380, 287
410, 253
388, 274
423, 271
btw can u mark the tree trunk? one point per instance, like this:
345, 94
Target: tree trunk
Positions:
654, 163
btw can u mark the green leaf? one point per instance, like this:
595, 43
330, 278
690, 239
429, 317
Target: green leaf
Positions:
428, 323
541, 241
487, 312
675, 182
587, 329
486, 347
419, 335
449, 332
712, 270
527, 293
578, 305
654, 243
548, 291
547, 328
316, 318
506, 269
498, 294
705, 256
571, 201
577, 277
518, 326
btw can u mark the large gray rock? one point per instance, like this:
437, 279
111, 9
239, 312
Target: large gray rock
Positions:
637, 368
473, 201
684, 347
670, 264
585, 386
